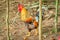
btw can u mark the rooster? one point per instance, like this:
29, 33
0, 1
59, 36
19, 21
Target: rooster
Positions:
25, 16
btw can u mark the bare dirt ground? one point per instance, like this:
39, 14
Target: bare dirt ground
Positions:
17, 29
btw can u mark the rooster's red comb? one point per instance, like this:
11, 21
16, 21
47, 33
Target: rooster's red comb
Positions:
20, 6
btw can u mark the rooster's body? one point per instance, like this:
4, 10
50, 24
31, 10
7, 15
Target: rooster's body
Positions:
25, 16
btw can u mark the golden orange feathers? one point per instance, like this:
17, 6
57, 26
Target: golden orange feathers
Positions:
29, 19
35, 24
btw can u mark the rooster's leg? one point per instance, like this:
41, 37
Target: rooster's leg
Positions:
36, 32
28, 34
